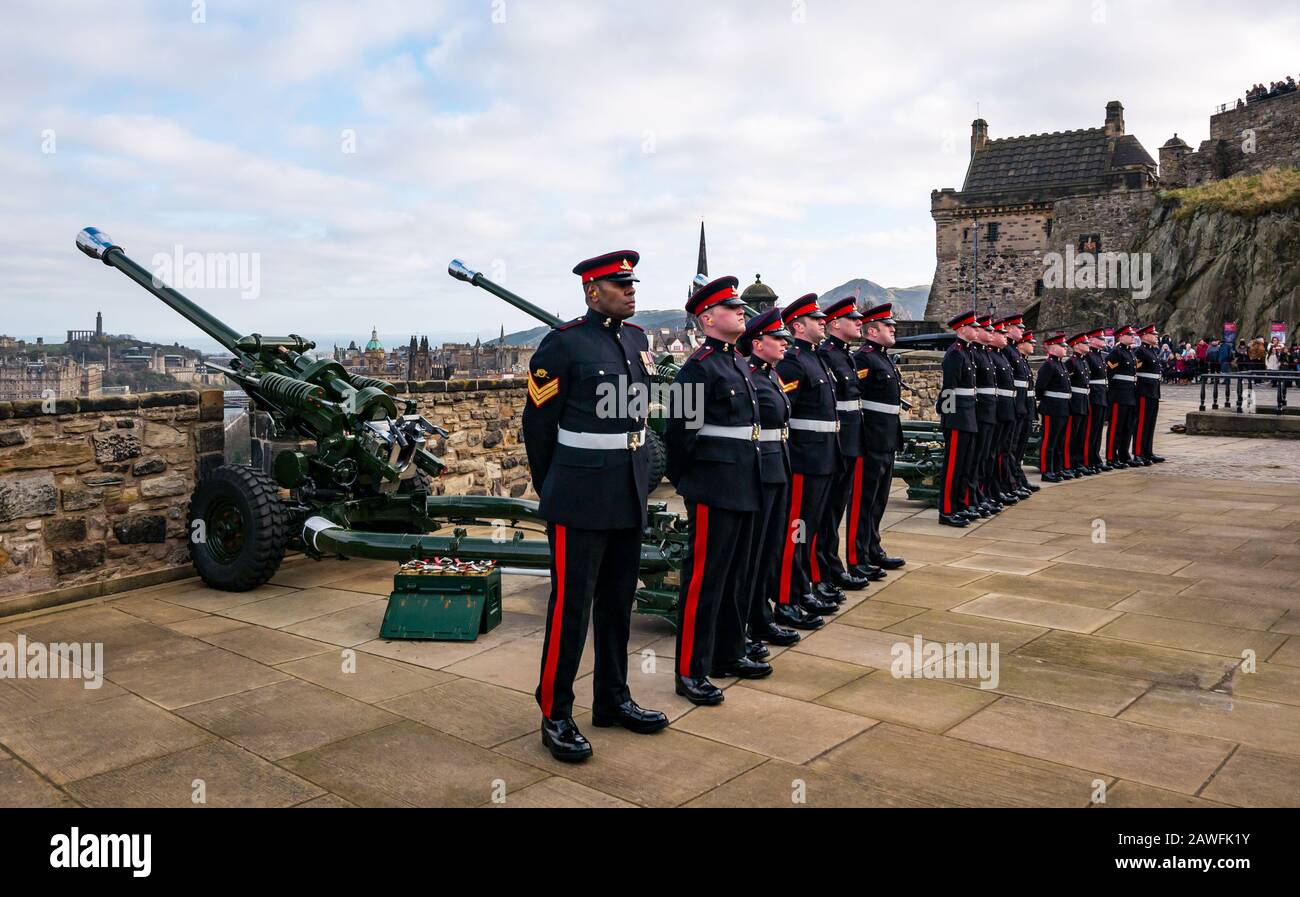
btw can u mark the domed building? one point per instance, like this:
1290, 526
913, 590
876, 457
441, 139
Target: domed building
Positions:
759, 296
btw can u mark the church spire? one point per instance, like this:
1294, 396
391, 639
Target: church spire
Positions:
701, 267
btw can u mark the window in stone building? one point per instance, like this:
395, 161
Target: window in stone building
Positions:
992, 231
1047, 225
1038, 287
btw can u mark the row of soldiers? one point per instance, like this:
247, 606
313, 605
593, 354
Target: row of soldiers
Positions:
991, 397
779, 431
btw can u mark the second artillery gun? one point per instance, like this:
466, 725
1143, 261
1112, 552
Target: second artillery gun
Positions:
359, 483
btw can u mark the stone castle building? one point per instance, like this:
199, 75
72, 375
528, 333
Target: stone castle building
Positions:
1024, 196
1247, 138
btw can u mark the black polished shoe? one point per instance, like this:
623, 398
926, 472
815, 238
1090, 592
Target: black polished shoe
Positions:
1088, 471
1024, 492
953, 520
699, 691
743, 669
757, 651
1157, 459
562, 738
825, 591
1146, 462
851, 581
1104, 468
885, 562
796, 617
1051, 478
1005, 498
967, 514
1032, 487
869, 572
814, 605
630, 717
777, 635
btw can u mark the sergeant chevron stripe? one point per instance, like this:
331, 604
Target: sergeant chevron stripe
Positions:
541, 393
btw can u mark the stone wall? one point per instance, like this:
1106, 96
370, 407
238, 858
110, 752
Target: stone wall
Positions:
1258, 136
922, 376
92, 489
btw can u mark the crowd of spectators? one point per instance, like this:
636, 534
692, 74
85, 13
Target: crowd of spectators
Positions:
1275, 89
1184, 363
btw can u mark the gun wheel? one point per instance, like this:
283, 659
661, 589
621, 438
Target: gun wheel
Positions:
238, 527
654, 445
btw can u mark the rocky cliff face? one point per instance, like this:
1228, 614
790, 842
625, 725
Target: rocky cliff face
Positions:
1214, 266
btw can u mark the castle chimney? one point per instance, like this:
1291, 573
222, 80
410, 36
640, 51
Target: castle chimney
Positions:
979, 135
1114, 119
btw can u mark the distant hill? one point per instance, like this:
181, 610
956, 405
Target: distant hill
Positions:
909, 305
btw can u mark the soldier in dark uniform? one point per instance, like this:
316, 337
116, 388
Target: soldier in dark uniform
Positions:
1025, 346
1121, 369
1076, 426
814, 459
843, 324
1004, 382
592, 479
764, 344
1053, 391
881, 390
1011, 474
986, 415
714, 463
956, 407
1149, 370
1097, 400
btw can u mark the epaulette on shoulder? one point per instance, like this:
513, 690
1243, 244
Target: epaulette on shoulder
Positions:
701, 353
574, 323
869, 347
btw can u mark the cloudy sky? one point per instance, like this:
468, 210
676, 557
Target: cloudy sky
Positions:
356, 147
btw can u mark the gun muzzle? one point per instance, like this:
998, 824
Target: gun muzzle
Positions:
461, 271
96, 244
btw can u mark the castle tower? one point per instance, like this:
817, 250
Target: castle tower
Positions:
99, 324
1114, 119
979, 135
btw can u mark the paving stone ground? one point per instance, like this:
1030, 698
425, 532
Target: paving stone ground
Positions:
1147, 625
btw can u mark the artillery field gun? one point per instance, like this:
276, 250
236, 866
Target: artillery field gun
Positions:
363, 490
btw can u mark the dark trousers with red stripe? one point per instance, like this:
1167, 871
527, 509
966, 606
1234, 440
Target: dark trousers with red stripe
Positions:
1144, 428
1052, 449
1019, 443
829, 566
873, 475
808, 493
980, 463
1096, 426
593, 580
1076, 436
765, 553
1003, 479
714, 599
958, 450
1120, 436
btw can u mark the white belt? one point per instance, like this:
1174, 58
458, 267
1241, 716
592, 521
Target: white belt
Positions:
749, 434
985, 391
1024, 384
1152, 376
851, 405
773, 435
603, 441
816, 426
879, 406
1057, 395
962, 391
1007, 393
1129, 378
1096, 382
1080, 389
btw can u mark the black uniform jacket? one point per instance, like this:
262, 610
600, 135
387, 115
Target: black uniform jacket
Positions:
1096, 378
718, 471
986, 402
1022, 377
1120, 363
956, 402
571, 379
834, 353
1005, 381
1146, 360
1053, 378
809, 387
879, 384
1078, 370
774, 417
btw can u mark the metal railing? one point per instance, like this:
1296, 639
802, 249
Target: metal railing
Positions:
1282, 380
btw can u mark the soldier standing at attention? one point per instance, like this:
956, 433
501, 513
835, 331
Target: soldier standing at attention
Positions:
715, 466
843, 323
1012, 474
1122, 370
1053, 391
1005, 384
763, 343
881, 391
956, 407
1097, 400
814, 459
592, 480
986, 414
1148, 368
1025, 346
1076, 426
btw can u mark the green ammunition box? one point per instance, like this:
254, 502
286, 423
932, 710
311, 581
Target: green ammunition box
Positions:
449, 608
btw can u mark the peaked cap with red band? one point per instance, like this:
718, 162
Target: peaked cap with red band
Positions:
1056, 339
963, 319
1150, 328
1027, 336
804, 306
1016, 320
1078, 338
1126, 330
716, 292
1099, 333
616, 266
881, 314
768, 323
844, 308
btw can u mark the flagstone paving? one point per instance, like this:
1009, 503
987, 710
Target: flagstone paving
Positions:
1146, 624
